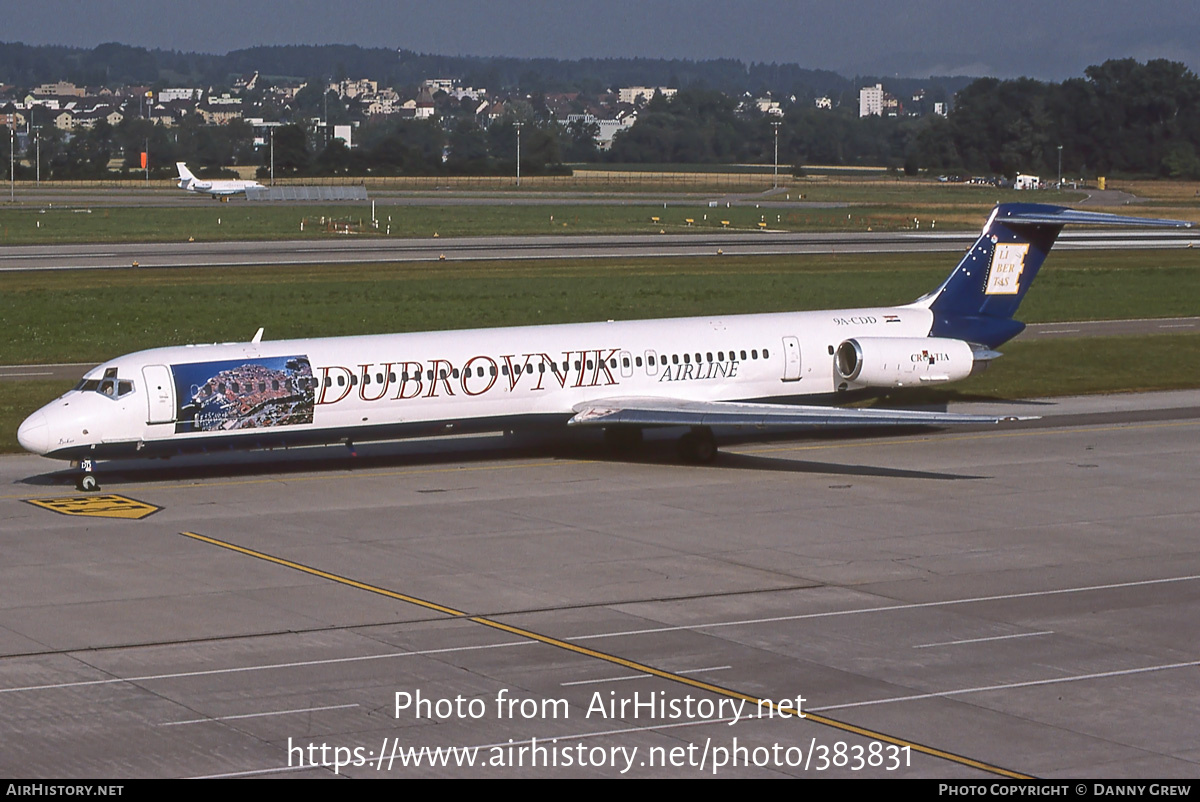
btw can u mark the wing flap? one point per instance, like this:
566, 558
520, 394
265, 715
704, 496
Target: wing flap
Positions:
674, 412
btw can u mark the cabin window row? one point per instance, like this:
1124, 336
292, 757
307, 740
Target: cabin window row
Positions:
453, 373
651, 361
249, 387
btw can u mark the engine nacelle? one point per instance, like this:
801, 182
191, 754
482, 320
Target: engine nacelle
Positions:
903, 361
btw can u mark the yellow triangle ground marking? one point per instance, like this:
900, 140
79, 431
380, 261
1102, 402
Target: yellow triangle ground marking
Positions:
104, 506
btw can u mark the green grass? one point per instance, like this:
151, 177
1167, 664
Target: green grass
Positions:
877, 206
92, 315
242, 221
1083, 366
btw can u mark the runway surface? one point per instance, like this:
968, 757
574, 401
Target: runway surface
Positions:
966, 603
453, 194
382, 249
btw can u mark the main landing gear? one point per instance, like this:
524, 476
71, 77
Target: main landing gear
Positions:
698, 446
623, 441
86, 481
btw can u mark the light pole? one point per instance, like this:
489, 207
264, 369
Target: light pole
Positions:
518, 125
776, 125
37, 138
150, 119
12, 165
272, 132
1060, 166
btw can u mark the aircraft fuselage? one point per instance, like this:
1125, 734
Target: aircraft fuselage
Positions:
191, 398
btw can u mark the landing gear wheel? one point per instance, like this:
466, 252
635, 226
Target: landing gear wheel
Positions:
87, 481
698, 446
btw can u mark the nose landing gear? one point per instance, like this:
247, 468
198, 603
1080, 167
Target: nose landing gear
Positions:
86, 481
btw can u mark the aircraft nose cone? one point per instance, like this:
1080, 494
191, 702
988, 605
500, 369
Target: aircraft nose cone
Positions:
34, 434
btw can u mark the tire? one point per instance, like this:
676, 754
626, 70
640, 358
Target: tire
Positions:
623, 441
88, 483
698, 446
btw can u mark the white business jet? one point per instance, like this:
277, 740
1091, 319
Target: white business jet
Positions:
216, 188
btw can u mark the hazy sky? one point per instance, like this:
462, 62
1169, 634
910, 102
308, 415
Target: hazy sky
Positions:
1048, 39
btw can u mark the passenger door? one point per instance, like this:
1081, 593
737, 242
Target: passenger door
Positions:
791, 359
160, 394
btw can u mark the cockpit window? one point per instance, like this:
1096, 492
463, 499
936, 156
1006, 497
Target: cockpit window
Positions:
109, 386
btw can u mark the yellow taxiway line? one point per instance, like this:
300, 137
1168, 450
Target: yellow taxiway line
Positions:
558, 643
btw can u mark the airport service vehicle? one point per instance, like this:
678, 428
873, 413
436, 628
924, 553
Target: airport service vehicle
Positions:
621, 376
216, 188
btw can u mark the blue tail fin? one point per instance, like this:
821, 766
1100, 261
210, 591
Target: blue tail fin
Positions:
977, 302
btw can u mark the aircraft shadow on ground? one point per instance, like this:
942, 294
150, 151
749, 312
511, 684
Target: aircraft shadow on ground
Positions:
788, 465
410, 454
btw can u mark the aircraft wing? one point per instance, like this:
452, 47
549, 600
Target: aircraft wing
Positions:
672, 412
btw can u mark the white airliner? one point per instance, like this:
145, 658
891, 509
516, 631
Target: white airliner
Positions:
216, 188
694, 373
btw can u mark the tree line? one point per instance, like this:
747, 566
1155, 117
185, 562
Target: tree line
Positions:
1123, 117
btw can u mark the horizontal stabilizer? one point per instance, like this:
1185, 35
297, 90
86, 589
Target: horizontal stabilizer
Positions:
1036, 214
672, 412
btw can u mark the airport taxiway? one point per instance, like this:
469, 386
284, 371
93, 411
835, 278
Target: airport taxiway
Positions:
949, 603
384, 249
